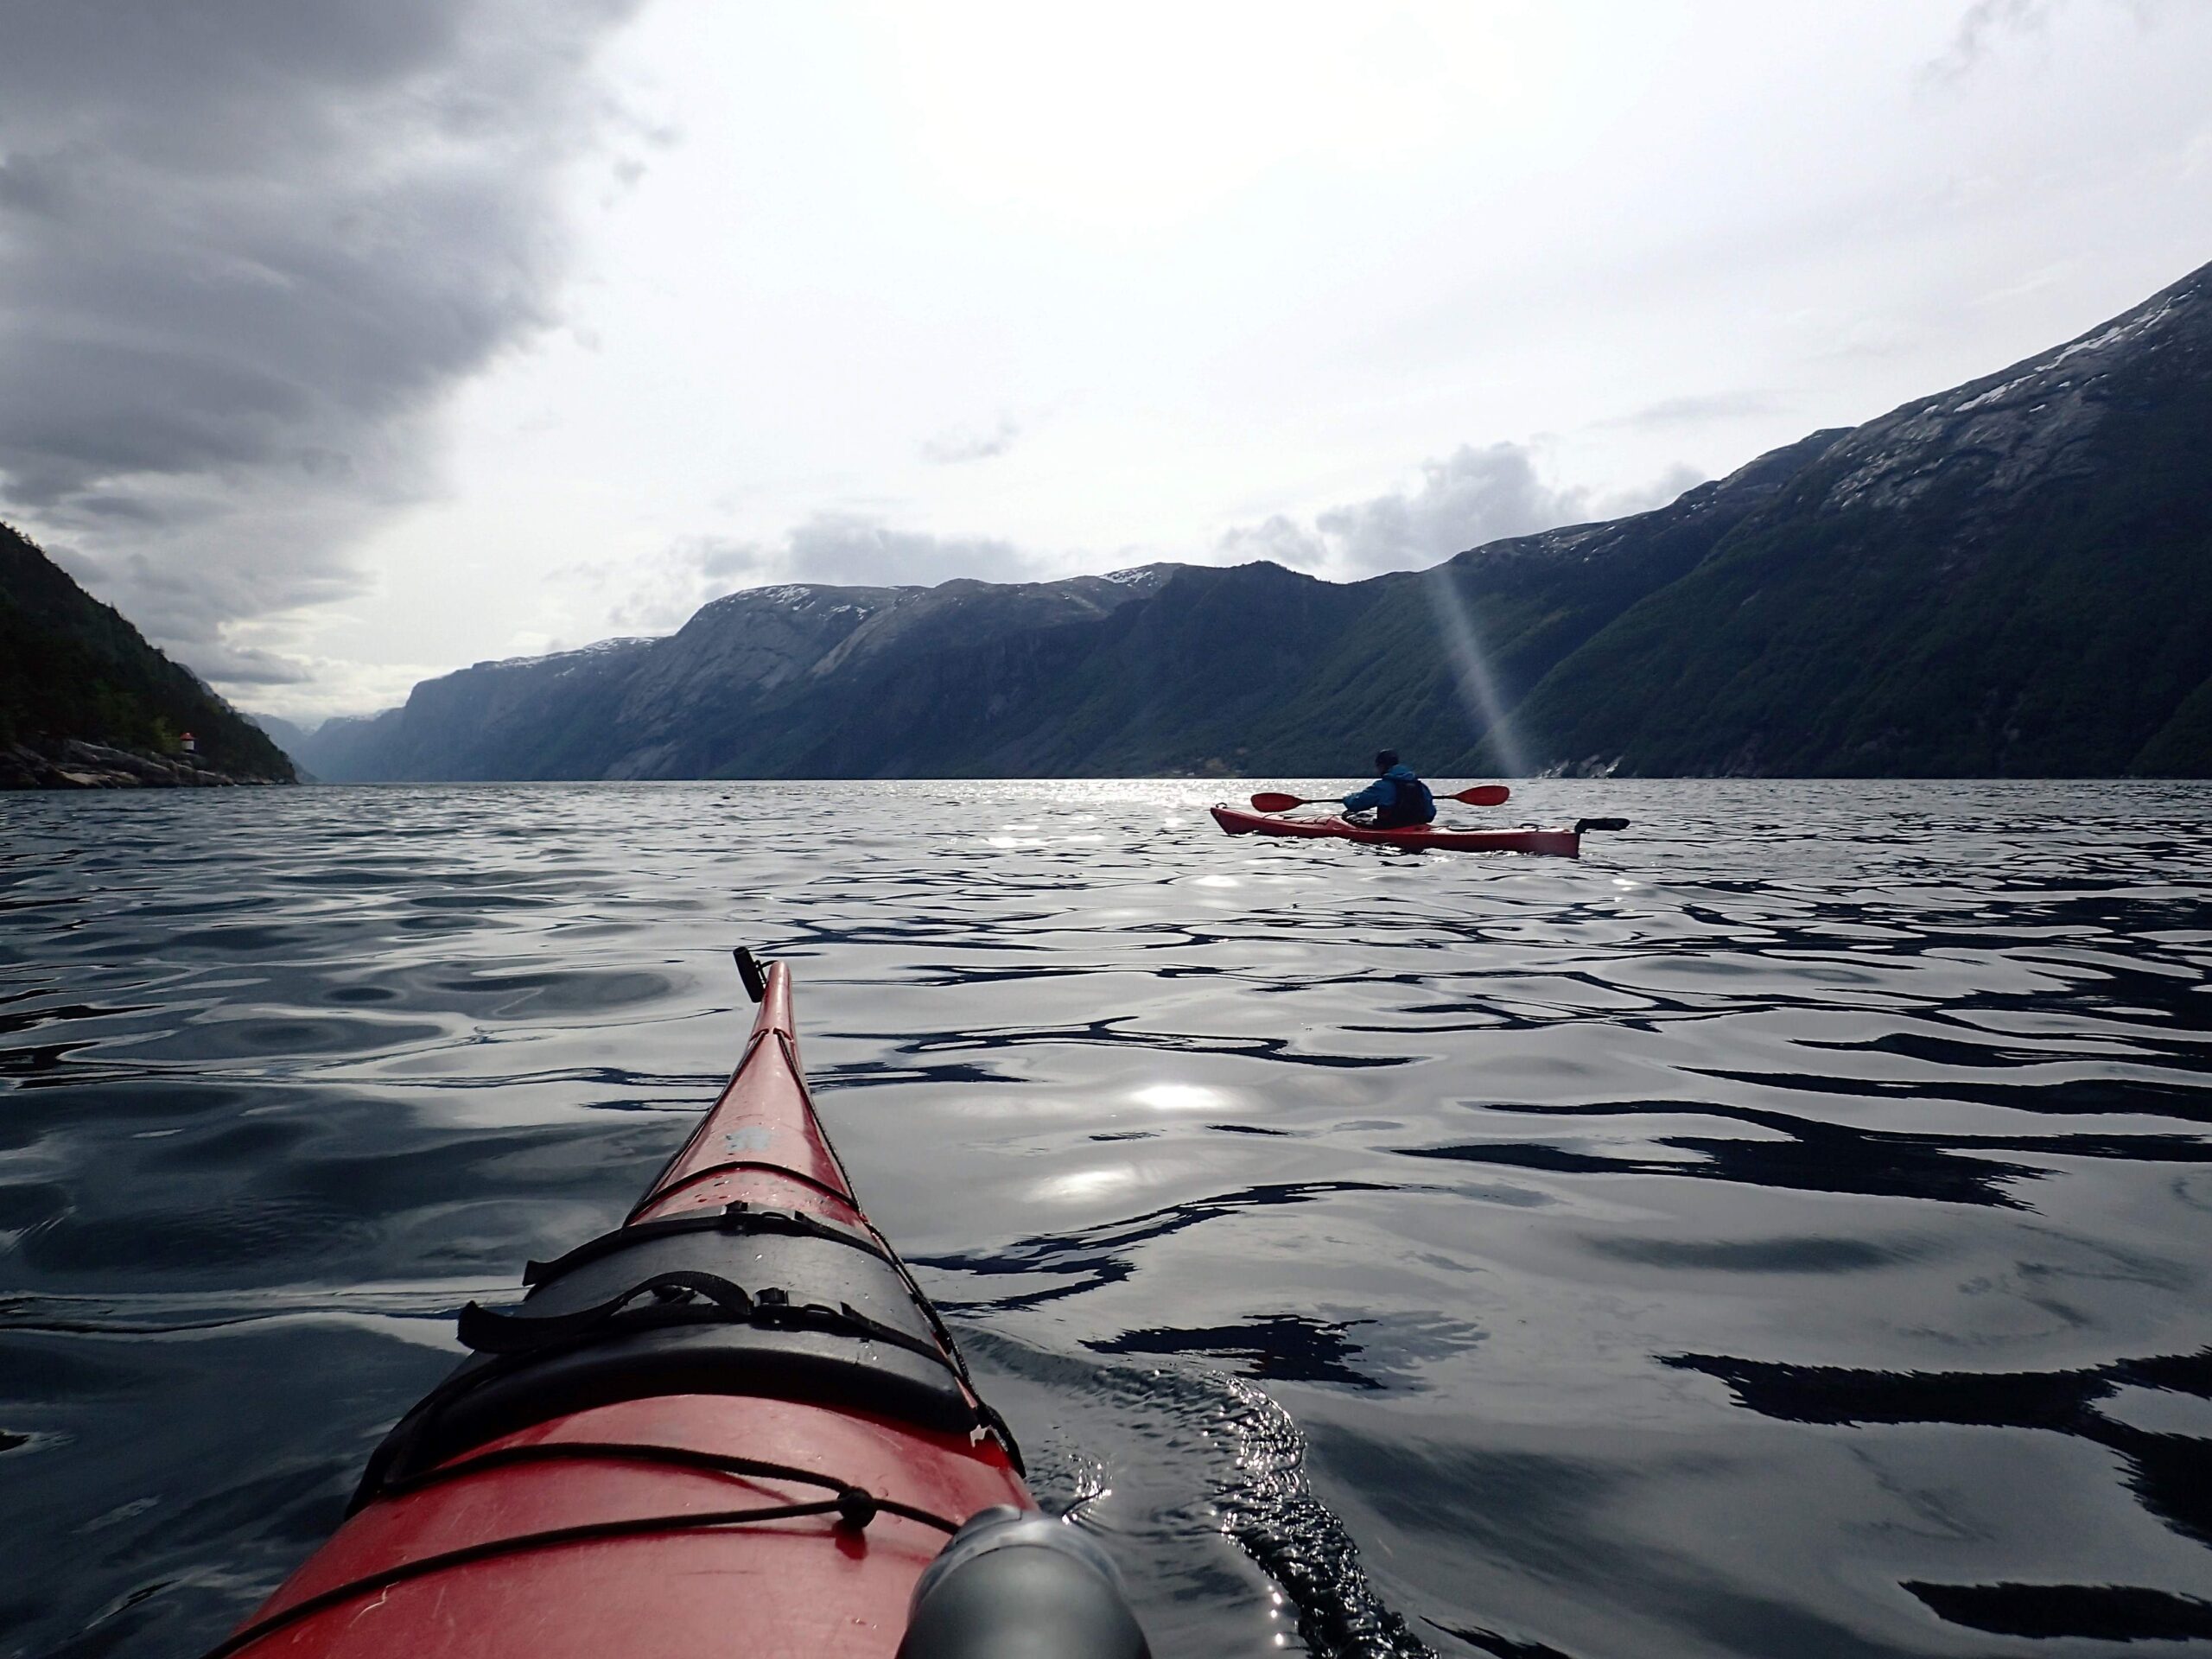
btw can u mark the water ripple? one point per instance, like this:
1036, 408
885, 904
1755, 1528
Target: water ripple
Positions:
1786, 1231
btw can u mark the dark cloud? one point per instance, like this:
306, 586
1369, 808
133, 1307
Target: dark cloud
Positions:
238, 665
1470, 497
951, 449
245, 247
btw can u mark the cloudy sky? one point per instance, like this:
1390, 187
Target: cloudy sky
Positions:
345, 344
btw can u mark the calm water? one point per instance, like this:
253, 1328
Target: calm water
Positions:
1785, 1232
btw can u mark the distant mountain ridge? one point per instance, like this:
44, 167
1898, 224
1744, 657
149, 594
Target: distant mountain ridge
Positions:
85, 699
2013, 577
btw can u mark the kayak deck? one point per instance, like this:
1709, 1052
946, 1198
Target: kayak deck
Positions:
1555, 844
732, 1425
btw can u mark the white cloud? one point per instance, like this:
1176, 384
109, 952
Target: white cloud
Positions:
862, 552
1471, 496
951, 449
1980, 28
1700, 409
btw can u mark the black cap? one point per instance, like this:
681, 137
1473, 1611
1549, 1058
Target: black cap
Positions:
1385, 759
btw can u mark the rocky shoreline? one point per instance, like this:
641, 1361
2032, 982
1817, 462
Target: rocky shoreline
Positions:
74, 764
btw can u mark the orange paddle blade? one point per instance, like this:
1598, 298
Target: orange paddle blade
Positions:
1275, 803
1484, 795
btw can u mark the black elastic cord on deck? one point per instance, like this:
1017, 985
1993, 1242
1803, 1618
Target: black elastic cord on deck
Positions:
741, 1218
507, 1335
523, 1336
681, 1456
770, 1308
848, 1497
854, 1506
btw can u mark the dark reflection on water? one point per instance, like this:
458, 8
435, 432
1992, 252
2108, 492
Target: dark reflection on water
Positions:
2105, 1612
1785, 1232
2172, 1473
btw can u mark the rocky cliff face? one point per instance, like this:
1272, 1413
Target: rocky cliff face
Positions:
72, 763
2012, 577
523, 717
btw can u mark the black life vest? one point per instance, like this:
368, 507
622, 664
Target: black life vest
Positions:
1413, 803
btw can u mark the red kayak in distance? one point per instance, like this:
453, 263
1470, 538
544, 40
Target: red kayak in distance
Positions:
733, 1425
1556, 843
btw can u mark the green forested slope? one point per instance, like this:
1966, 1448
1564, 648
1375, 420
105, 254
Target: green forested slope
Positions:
71, 667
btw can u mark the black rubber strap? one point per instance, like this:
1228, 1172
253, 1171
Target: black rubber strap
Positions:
739, 1219
719, 1302
681, 1456
775, 1310
991, 1420
928, 1307
682, 1298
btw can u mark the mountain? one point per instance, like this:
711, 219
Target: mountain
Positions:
2013, 577
83, 697
797, 680
1165, 669
283, 733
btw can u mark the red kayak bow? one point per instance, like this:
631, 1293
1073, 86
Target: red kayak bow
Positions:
733, 1425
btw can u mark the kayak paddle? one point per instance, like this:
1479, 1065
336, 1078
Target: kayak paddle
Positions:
1480, 795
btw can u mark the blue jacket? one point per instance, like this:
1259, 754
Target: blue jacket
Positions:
1383, 791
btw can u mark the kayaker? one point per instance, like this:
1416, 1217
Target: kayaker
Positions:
1398, 798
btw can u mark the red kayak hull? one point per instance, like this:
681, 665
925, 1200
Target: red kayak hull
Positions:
795, 1588
1554, 844
496, 1524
